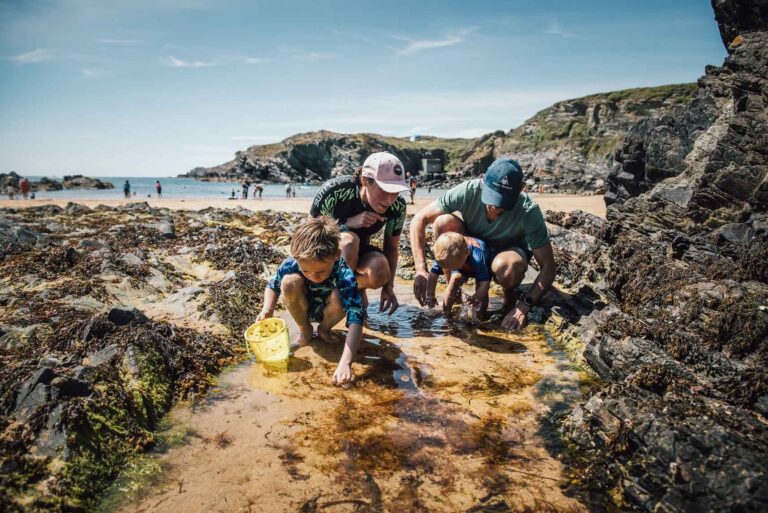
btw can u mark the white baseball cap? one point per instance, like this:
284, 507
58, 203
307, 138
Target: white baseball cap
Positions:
387, 170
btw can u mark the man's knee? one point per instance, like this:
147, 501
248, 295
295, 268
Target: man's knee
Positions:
447, 223
510, 272
292, 285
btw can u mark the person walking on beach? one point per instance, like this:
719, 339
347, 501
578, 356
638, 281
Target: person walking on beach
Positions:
245, 184
11, 190
363, 204
24, 186
159, 189
412, 184
258, 188
127, 189
287, 190
495, 210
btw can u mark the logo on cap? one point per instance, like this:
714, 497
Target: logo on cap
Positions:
398, 170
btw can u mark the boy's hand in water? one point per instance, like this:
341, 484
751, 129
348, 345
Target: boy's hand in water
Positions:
343, 375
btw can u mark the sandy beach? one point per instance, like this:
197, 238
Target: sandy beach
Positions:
557, 202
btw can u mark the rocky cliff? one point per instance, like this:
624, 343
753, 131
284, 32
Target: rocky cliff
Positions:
317, 156
673, 295
568, 147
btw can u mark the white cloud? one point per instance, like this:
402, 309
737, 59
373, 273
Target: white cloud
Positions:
120, 42
314, 56
554, 29
178, 63
87, 72
37, 55
254, 138
419, 45
256, 60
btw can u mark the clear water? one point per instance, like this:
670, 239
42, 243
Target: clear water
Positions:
181, 188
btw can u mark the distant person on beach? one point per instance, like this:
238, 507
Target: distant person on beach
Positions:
127, 189
363, 204
11, 190
460, 257
412, 184
245, 184
494, 209
233, 196
159, 189
287, 190
24, 186
260, 189
293, 191
318, 286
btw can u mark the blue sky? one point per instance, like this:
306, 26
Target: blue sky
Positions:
156, 87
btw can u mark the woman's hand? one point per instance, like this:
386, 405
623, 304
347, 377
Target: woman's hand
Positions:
364, 220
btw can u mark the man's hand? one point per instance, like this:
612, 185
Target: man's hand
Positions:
420, 286
430, 301
264, 314
388, 300
364, 220
343, 374
515, 319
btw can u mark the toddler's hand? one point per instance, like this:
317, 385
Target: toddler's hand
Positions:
264, 314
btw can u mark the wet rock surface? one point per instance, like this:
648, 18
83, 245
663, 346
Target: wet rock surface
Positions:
680, 332
107, 316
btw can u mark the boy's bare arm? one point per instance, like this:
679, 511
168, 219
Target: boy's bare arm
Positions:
452, 292
270, 301
343, 373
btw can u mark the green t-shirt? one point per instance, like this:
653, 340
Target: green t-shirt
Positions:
522, 226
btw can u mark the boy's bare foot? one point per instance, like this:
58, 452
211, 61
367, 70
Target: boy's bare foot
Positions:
330, 337
306, 335
510, 299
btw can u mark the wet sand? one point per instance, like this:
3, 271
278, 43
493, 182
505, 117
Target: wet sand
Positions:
557, 202
443, 417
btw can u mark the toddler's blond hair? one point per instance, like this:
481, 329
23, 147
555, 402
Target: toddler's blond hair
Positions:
451, 250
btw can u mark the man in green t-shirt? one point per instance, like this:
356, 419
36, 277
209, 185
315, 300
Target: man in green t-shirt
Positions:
493, 208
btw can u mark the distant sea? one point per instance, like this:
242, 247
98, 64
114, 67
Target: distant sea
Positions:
179, 188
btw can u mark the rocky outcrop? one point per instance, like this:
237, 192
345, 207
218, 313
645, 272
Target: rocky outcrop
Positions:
47, 184
85, 182
678, 280
316, 156
568, 147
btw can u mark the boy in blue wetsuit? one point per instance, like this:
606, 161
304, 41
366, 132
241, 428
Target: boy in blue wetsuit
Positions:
318, 286
461, 257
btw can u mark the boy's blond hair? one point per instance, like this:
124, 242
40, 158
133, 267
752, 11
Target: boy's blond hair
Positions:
316, 238
451, 250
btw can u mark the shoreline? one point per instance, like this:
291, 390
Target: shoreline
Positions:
593, 204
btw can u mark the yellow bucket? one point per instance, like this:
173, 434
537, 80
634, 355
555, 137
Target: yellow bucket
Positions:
268, 340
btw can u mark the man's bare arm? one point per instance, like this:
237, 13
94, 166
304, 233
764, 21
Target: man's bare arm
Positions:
418, 227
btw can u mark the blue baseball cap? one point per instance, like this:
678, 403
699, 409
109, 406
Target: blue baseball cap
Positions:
502, 183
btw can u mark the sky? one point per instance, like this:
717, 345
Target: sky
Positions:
157, 87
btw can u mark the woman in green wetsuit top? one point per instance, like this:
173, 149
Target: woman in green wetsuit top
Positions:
363, 204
